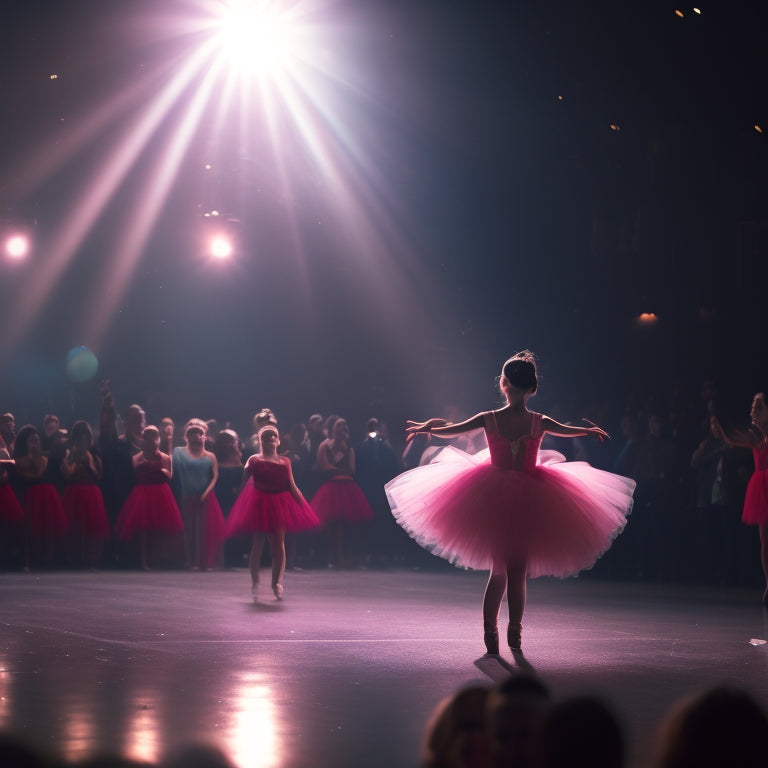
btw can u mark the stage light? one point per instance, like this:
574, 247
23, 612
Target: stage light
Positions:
220, 247
647, 318
17, 246
255, 35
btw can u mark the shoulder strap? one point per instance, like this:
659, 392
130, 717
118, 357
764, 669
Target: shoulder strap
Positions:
536, 424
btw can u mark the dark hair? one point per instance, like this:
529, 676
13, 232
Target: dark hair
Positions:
80, 428
520, 371
22, 438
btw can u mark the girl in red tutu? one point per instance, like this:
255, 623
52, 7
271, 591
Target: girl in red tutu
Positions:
197, 471
10, 509
339, 500
82, 500
150, 508
511, 509
756, 498
43, 512
269, 505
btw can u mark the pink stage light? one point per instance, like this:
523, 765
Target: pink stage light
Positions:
17, 246
220, 247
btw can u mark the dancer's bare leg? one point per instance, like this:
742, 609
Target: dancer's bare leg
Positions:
277, 545
494, 594
255, 560
516, 593
764, 557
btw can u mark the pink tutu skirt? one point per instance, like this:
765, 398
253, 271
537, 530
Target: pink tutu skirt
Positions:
214, 525
149, 508
559, 517
85, 510
756, 499
255, 510
10, 509
341, 498
44, 512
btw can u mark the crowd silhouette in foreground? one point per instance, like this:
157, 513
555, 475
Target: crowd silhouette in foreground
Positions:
517, 723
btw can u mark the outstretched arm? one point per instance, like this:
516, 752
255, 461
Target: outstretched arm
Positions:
564, 430
752, 437
442, 428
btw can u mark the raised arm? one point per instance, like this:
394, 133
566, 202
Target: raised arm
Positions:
752, 437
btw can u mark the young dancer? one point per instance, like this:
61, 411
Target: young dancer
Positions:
43, 511
339, 500
511, 509
269, 505
150, 507
756, 498
82, 500
197, 471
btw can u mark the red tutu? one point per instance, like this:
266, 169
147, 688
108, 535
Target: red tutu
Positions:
756, 498
44, 512
214, 525
557, 516
149, 508
257, 510
10, 509
85, 510
341, 498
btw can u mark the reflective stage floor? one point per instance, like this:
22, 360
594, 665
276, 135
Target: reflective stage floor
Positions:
346, 670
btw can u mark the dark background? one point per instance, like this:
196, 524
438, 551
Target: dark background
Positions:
495, 176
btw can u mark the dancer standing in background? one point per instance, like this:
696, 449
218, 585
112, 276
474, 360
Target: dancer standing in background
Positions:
197, 471
756, 499
512, 509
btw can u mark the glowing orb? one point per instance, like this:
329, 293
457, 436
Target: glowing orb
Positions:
221, 247
17, 246
81, 364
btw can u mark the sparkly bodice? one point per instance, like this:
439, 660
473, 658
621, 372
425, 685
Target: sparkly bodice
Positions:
269, 476
519, 455
150, 472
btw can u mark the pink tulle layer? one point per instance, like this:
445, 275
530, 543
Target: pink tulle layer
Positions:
44, 512
149, 508
214, 525
341, 498
10, 509
85, 510
256, 510
559, 517
756, 499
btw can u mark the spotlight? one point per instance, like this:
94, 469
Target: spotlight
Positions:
17, 246
220, 247
15, 239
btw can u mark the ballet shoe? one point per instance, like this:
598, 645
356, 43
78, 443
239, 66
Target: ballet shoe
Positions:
491, 640
277, 588
514, 637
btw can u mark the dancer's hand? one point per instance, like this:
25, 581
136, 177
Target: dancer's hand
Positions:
414, 428
597, 432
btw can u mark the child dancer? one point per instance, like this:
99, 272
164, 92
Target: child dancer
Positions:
44, 514
197, 471
150, 506
512, 509
756, 498
269, 505
339, 500
82, 500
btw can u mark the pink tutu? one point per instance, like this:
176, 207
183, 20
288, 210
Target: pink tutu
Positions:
214, 526
756, 498
10, 509
341, 498
558, 516
257, 510
44, 512
149, 507
85, 511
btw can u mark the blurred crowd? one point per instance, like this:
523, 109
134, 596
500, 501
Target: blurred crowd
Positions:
684, 527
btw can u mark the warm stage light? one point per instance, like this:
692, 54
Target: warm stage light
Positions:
17, 246
255, 35
647, 318
221, 247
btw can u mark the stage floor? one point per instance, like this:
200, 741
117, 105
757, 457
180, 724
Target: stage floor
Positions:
346, 670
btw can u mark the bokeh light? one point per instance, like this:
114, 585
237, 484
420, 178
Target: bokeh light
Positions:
17, 246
